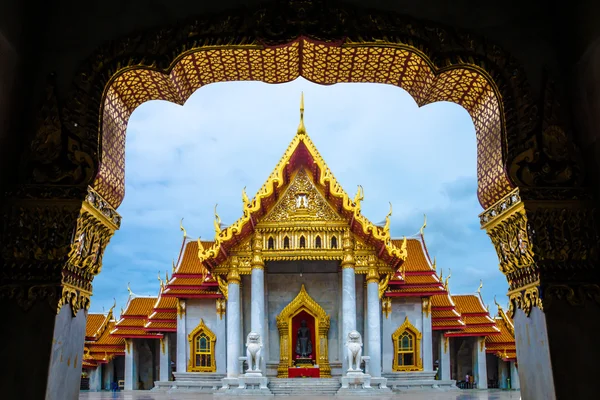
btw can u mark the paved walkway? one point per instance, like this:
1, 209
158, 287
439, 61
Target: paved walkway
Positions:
424, 395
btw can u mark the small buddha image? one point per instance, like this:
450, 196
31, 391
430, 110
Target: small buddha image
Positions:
302, 201
303, 342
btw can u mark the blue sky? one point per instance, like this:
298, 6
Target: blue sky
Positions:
182, 160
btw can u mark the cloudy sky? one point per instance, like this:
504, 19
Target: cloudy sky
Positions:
182, 160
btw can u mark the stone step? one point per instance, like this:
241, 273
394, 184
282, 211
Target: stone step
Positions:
309, 386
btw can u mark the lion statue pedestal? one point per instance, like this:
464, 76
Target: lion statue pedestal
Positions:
251, 383
356, 382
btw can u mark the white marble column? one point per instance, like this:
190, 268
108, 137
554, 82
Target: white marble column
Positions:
234, 321
108, 375
348, 294
503, 374
427, 342
182, 342
479, 362
257, 293
374, 319
165, 358
131, 364
444, 357
95, 376
515, 383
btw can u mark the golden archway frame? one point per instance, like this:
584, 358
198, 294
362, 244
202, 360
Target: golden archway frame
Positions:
303, 302
201, 328
407, 326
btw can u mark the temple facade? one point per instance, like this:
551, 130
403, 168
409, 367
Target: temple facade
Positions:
302, 286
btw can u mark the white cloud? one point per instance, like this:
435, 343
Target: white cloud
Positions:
181, 161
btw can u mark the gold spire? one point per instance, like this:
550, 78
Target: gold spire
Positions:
480, 286
434, 261
217, 221
386, 227
497, 305
301, 128
129, 289
174, 263
182, 228
162, 284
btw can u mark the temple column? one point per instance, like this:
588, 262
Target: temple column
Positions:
95, 376
479, 362
131, 364
108, 375
165, 359
182, 342
427, 341
548, 248
373, 318
257, 293
234, 322
348, 294
53, 239
503, 374
444, 357
514, 376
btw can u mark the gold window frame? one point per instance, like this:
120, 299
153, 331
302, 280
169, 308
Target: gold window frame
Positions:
201, 329
411, 329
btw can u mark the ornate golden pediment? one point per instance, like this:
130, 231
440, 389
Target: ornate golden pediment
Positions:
302, 201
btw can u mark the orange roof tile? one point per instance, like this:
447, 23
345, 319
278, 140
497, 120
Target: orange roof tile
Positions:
189, 262
165, 303
161, 325
469, 304
416, 289
137, 306
93, 323
417, 260
478, 320
442, 300
130, 322
484, 330
178, 281
504, 337
449, 323
444, 314
421, 279
163, 315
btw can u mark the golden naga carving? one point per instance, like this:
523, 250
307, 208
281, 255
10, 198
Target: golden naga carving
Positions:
221, 307
426, 306
217, 222
422, 230
526, 299
162, 284
383, 284
358, 198
480, 286
386, 306
386, 227
448, 279
222, 286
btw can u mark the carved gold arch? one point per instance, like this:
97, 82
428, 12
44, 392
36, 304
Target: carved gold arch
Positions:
408, 327
201, 328
303, 302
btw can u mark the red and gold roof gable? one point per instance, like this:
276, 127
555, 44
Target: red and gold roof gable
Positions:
134, 317
301, 157
474, 315
503, 345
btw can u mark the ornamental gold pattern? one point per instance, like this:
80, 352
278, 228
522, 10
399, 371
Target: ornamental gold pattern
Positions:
303, 302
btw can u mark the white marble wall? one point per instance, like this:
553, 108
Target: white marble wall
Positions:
479, 363
283, 288
204, 309
131, 363
181, 356
514, 377
444, 358
108, 375
165, 359
95, 375
427, 342
503, 374
401, 308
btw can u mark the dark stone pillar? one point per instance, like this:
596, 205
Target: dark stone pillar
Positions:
52, 246
548, 250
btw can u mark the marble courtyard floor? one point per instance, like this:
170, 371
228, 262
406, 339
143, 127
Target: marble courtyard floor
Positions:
425, 395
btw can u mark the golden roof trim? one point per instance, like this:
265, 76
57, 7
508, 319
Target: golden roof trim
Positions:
277, 177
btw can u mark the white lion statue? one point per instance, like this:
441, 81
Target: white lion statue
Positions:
354, 345
253, 350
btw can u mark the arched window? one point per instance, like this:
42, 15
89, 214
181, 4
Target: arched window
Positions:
271, 243
333, 242
286, 242
202, 349
407, 348
302, 242
318, 242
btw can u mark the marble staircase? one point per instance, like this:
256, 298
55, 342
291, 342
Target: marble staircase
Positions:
191, 382
304, 386
418, 380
